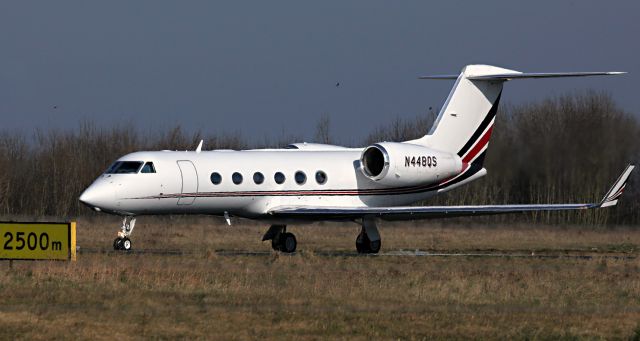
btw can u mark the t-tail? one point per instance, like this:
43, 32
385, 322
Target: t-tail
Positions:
465, 122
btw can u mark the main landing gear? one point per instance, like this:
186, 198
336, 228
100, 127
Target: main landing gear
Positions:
368, 241
281, 240
123, 242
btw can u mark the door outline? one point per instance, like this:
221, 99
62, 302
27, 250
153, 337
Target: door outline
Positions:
187, 200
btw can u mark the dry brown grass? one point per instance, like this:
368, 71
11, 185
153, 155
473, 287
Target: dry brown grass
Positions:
205, 295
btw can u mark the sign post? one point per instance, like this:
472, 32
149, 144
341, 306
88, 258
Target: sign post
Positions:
38, 241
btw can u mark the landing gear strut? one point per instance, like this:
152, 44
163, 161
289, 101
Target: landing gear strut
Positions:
123, 242
368, 241
281, 240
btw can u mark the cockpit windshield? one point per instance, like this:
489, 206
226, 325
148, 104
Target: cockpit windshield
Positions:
125, 167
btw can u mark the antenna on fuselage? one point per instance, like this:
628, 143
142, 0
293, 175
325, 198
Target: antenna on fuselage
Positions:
199, 148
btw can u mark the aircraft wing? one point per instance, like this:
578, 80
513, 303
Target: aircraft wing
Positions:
429, 212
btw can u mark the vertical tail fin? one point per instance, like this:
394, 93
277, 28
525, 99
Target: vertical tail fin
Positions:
465, 122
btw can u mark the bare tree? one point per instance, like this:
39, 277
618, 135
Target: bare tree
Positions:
563, 149
322, 130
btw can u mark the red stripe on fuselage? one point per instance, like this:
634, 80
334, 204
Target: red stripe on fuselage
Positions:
336, 192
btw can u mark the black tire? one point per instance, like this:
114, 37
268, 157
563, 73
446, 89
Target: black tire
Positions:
275, 244
117, 244
374, 246
126, 244
289, 243
362, 243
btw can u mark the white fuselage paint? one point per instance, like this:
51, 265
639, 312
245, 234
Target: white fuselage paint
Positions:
182, 184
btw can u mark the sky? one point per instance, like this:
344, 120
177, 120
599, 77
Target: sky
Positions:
270, 68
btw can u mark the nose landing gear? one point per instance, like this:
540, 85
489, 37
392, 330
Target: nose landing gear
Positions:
123, 242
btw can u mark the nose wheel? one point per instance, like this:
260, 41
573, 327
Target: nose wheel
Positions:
123, 242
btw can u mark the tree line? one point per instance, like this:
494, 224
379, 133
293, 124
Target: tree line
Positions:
568, 148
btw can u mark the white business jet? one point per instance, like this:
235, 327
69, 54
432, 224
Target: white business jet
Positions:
309, 182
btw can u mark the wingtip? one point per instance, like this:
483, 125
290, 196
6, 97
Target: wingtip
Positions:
612, 196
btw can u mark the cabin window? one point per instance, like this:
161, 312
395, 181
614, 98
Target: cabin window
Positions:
300, 177
236, 178
148, 168
279, 178
216, 178
321, 177
125, 167
258, 178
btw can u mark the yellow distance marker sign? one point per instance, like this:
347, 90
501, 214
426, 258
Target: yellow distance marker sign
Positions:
38, 241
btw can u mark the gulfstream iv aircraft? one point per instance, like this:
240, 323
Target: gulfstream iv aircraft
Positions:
311, 182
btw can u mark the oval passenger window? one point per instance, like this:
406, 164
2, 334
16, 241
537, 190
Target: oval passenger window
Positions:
279, 178
236, 178
216, 178
301, 178
258, 178
321, 177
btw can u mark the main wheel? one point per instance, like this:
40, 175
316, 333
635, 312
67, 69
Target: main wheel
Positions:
117, 244
288, 243
126, 244
275, 243
366, 245
374, 246
362, 243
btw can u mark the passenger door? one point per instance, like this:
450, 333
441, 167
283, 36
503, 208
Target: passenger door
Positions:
189, 177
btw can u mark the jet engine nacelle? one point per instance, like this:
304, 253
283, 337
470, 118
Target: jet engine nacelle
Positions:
403, 164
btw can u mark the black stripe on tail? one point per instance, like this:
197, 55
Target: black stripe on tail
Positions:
483, 125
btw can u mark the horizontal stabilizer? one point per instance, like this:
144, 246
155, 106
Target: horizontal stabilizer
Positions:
521, 75
488, 73
439, 77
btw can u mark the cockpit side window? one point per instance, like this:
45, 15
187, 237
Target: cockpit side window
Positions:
125, 167
148, 168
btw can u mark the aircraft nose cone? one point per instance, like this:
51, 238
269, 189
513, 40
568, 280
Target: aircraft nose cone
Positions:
96, 196
86, 197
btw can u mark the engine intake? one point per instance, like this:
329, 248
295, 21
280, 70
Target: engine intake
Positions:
375, 160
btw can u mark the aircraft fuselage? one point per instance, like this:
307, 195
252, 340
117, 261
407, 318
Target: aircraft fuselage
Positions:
182, 183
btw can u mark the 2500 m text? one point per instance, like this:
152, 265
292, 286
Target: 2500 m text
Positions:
31, 241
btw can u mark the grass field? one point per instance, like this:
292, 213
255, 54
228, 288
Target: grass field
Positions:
206, 295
